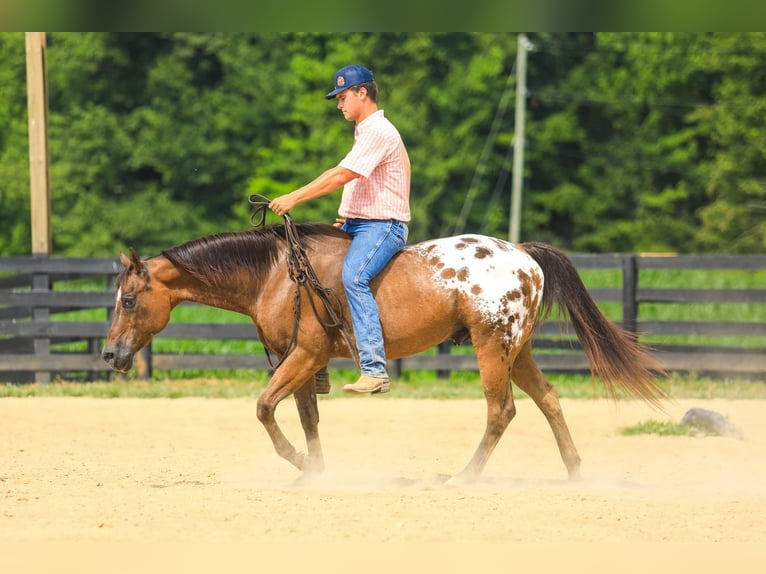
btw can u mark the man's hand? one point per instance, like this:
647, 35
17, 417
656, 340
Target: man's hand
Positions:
283, 204
330, 180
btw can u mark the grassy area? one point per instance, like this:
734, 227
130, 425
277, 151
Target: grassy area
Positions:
661, 428
414, 385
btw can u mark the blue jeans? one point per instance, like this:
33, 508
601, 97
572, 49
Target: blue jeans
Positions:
373, 244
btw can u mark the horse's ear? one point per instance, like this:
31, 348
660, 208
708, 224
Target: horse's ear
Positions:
135, 259
135, 262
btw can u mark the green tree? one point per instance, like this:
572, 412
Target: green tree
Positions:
149, 135
641, 117
733, 217
15, 234
634, 141
440, 90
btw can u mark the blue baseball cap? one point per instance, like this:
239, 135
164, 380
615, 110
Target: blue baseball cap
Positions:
349, 77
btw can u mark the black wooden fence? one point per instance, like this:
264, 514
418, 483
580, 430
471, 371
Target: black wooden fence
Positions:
30, 330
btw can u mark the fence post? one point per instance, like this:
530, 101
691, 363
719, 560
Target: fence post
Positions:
143, 361
110, 281
41, 345
629, 292
395, 368
444, 348
94, 348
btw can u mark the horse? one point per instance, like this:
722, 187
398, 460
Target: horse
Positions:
467, 287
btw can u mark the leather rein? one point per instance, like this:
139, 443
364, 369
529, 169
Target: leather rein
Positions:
302, 273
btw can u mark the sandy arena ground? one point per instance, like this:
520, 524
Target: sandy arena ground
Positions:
88, 474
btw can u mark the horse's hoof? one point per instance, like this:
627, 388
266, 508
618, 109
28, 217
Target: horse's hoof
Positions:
305, 479
298, 460
308, 478
456, 481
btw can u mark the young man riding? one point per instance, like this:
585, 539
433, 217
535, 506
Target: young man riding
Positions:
374, 210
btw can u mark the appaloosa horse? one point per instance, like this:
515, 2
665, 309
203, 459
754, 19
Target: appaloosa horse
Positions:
466, 287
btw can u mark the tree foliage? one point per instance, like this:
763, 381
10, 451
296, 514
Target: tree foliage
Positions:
634, 141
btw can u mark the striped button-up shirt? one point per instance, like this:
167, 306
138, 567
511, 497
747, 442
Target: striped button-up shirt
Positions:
379, 157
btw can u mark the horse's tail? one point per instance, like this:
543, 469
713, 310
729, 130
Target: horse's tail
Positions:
613, 353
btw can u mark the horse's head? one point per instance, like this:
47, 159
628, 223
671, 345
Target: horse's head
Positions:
142, 309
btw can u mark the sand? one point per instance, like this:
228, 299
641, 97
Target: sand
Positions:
182, 477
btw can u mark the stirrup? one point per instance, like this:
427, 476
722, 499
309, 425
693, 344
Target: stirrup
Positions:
322, 381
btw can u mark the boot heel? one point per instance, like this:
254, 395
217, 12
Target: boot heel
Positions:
383, 389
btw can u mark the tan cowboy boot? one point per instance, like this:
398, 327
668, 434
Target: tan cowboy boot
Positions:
368, 384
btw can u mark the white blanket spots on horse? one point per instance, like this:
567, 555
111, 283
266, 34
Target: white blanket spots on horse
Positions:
503, 282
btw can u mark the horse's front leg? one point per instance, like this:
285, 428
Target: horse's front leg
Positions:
306, 402
289, 377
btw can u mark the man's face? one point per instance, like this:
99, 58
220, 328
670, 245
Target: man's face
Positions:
350, 103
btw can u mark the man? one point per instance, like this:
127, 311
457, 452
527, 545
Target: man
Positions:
374, 210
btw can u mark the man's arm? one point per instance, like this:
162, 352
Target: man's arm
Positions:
332, 179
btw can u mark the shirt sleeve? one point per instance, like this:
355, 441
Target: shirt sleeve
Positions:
369, 151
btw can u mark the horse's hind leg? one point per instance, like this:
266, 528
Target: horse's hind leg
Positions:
495, 368
530, 379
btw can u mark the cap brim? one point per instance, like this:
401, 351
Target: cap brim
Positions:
337, 91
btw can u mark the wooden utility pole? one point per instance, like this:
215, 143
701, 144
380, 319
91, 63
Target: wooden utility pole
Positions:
39, 178
37, 106
514, 228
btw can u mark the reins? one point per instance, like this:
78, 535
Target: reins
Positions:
302, 273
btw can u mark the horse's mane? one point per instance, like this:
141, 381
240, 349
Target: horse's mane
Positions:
215, 256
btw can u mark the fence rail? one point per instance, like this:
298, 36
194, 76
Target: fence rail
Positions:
29, 331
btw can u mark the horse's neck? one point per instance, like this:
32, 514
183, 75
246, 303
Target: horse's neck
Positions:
183, 287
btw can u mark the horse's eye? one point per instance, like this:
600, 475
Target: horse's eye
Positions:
128, 302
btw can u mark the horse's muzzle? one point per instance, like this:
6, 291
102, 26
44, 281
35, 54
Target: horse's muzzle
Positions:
118, 358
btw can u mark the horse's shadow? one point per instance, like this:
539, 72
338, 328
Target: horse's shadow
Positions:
511, 483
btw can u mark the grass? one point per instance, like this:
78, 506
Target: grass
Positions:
661, 428
412, 385
161, 388
667, 428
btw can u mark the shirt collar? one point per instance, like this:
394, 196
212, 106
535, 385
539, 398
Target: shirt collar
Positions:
376, 113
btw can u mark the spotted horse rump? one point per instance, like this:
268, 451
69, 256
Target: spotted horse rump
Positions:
502, 282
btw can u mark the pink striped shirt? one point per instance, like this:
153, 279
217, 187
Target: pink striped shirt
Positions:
382, 190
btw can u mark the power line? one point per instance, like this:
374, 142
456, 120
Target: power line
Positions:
478, 172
